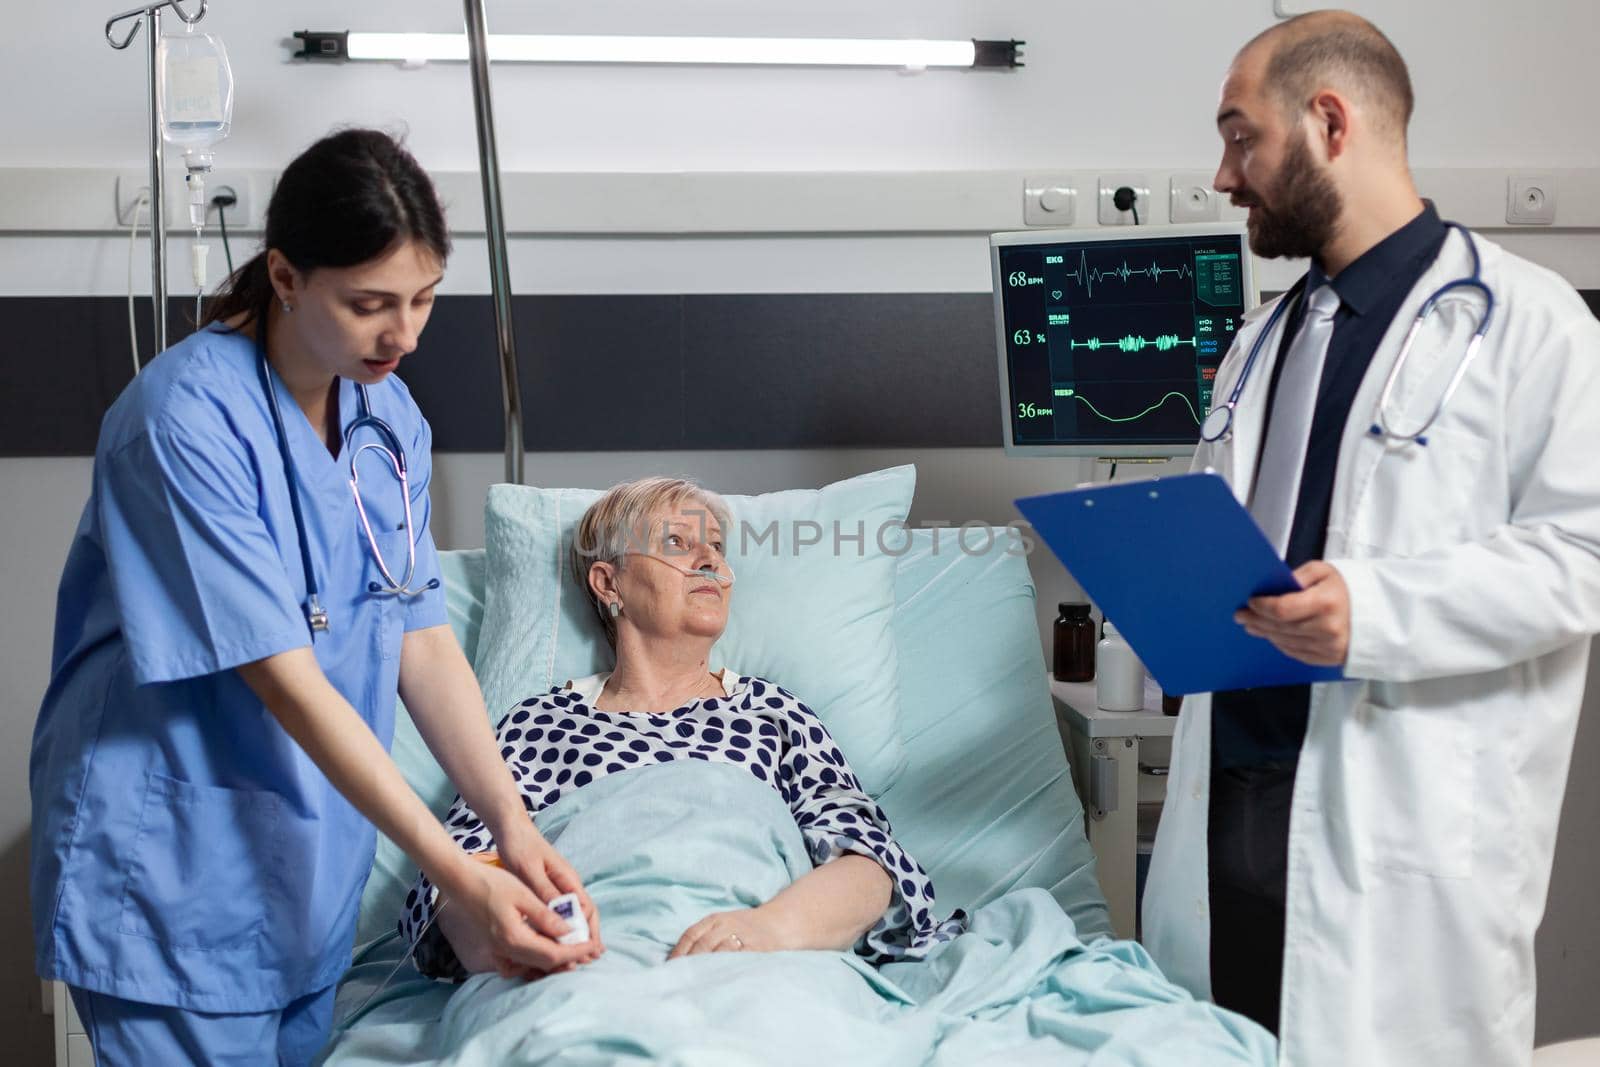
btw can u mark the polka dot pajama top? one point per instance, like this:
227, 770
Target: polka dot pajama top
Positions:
558, 742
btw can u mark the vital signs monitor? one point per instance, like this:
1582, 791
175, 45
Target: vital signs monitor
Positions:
1109, 339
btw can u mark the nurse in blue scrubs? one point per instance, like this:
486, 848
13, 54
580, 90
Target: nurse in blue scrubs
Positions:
233, 627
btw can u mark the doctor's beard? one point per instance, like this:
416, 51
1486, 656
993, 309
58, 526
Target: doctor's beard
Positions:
1301, 214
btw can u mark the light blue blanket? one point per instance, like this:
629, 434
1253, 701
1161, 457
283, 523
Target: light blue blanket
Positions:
661, 847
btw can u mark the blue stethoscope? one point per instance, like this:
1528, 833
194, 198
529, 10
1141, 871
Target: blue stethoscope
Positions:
1219, 424
389, 447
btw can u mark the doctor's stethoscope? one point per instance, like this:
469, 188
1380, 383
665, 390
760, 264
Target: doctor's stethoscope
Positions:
1219, 424
387, 446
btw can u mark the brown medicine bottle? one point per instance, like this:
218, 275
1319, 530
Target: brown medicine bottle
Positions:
1074, 644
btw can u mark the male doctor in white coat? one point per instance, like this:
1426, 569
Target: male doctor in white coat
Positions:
1361, 865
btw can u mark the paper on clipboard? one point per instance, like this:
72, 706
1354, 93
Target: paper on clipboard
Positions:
1169, 561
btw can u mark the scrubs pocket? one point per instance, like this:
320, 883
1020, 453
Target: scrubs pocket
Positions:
205, 865
1421, 800
391, 613
396, 552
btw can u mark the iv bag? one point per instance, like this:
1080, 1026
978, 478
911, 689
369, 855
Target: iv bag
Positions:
196, 97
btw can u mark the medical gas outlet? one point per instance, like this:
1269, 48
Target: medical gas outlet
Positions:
1531, 200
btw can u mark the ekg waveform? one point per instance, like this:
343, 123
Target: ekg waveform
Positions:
1089, 278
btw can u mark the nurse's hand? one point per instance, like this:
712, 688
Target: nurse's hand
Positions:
525, 852
495, 922
1313, 625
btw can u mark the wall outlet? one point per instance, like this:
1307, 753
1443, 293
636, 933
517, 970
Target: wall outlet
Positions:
1531, 199
130, 185
1049, 201
1193, 199
1140, 184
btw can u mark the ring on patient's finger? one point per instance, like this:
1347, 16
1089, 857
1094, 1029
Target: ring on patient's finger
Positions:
737, 942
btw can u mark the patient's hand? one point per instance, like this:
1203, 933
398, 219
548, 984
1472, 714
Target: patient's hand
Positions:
760, 929
527, 952
524, 852
475, 949
829, 907
472, 944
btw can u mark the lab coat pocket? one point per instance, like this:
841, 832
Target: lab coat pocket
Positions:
1421, 788
205, 864
1423, 498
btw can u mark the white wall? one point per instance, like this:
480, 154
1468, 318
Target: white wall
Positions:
1127, 84
1107, 87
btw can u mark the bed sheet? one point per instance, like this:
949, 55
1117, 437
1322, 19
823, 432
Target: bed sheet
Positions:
663, 846
987, 804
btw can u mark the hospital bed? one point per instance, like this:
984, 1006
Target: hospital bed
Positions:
985, 802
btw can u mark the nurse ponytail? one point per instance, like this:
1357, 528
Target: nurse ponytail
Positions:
341, 202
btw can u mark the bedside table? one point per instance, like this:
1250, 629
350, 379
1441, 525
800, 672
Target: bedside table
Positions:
1119, 763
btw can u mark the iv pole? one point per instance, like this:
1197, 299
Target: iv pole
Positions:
488, 164
151, 16
494, 219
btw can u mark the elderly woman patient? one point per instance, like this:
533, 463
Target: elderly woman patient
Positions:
650, 553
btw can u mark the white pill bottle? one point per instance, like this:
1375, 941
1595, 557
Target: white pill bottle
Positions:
1119, 676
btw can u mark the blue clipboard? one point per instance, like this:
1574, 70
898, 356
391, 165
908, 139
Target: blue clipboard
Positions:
1169, 561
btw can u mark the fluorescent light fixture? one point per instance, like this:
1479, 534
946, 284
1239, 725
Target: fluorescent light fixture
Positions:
703, 51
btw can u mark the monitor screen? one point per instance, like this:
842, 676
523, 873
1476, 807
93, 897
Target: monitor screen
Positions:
1109, 340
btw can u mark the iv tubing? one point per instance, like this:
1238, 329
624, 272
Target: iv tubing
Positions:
133, 240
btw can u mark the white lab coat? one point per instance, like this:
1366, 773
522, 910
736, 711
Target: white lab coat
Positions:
1424, 812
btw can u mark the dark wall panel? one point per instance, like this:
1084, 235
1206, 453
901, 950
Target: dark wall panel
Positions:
604, 372
601, 372
63, 361
793, 371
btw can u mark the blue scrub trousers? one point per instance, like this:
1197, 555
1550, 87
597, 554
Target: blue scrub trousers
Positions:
126, 1033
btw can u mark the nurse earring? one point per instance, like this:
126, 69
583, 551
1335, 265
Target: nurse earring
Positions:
615, 607
288, 308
